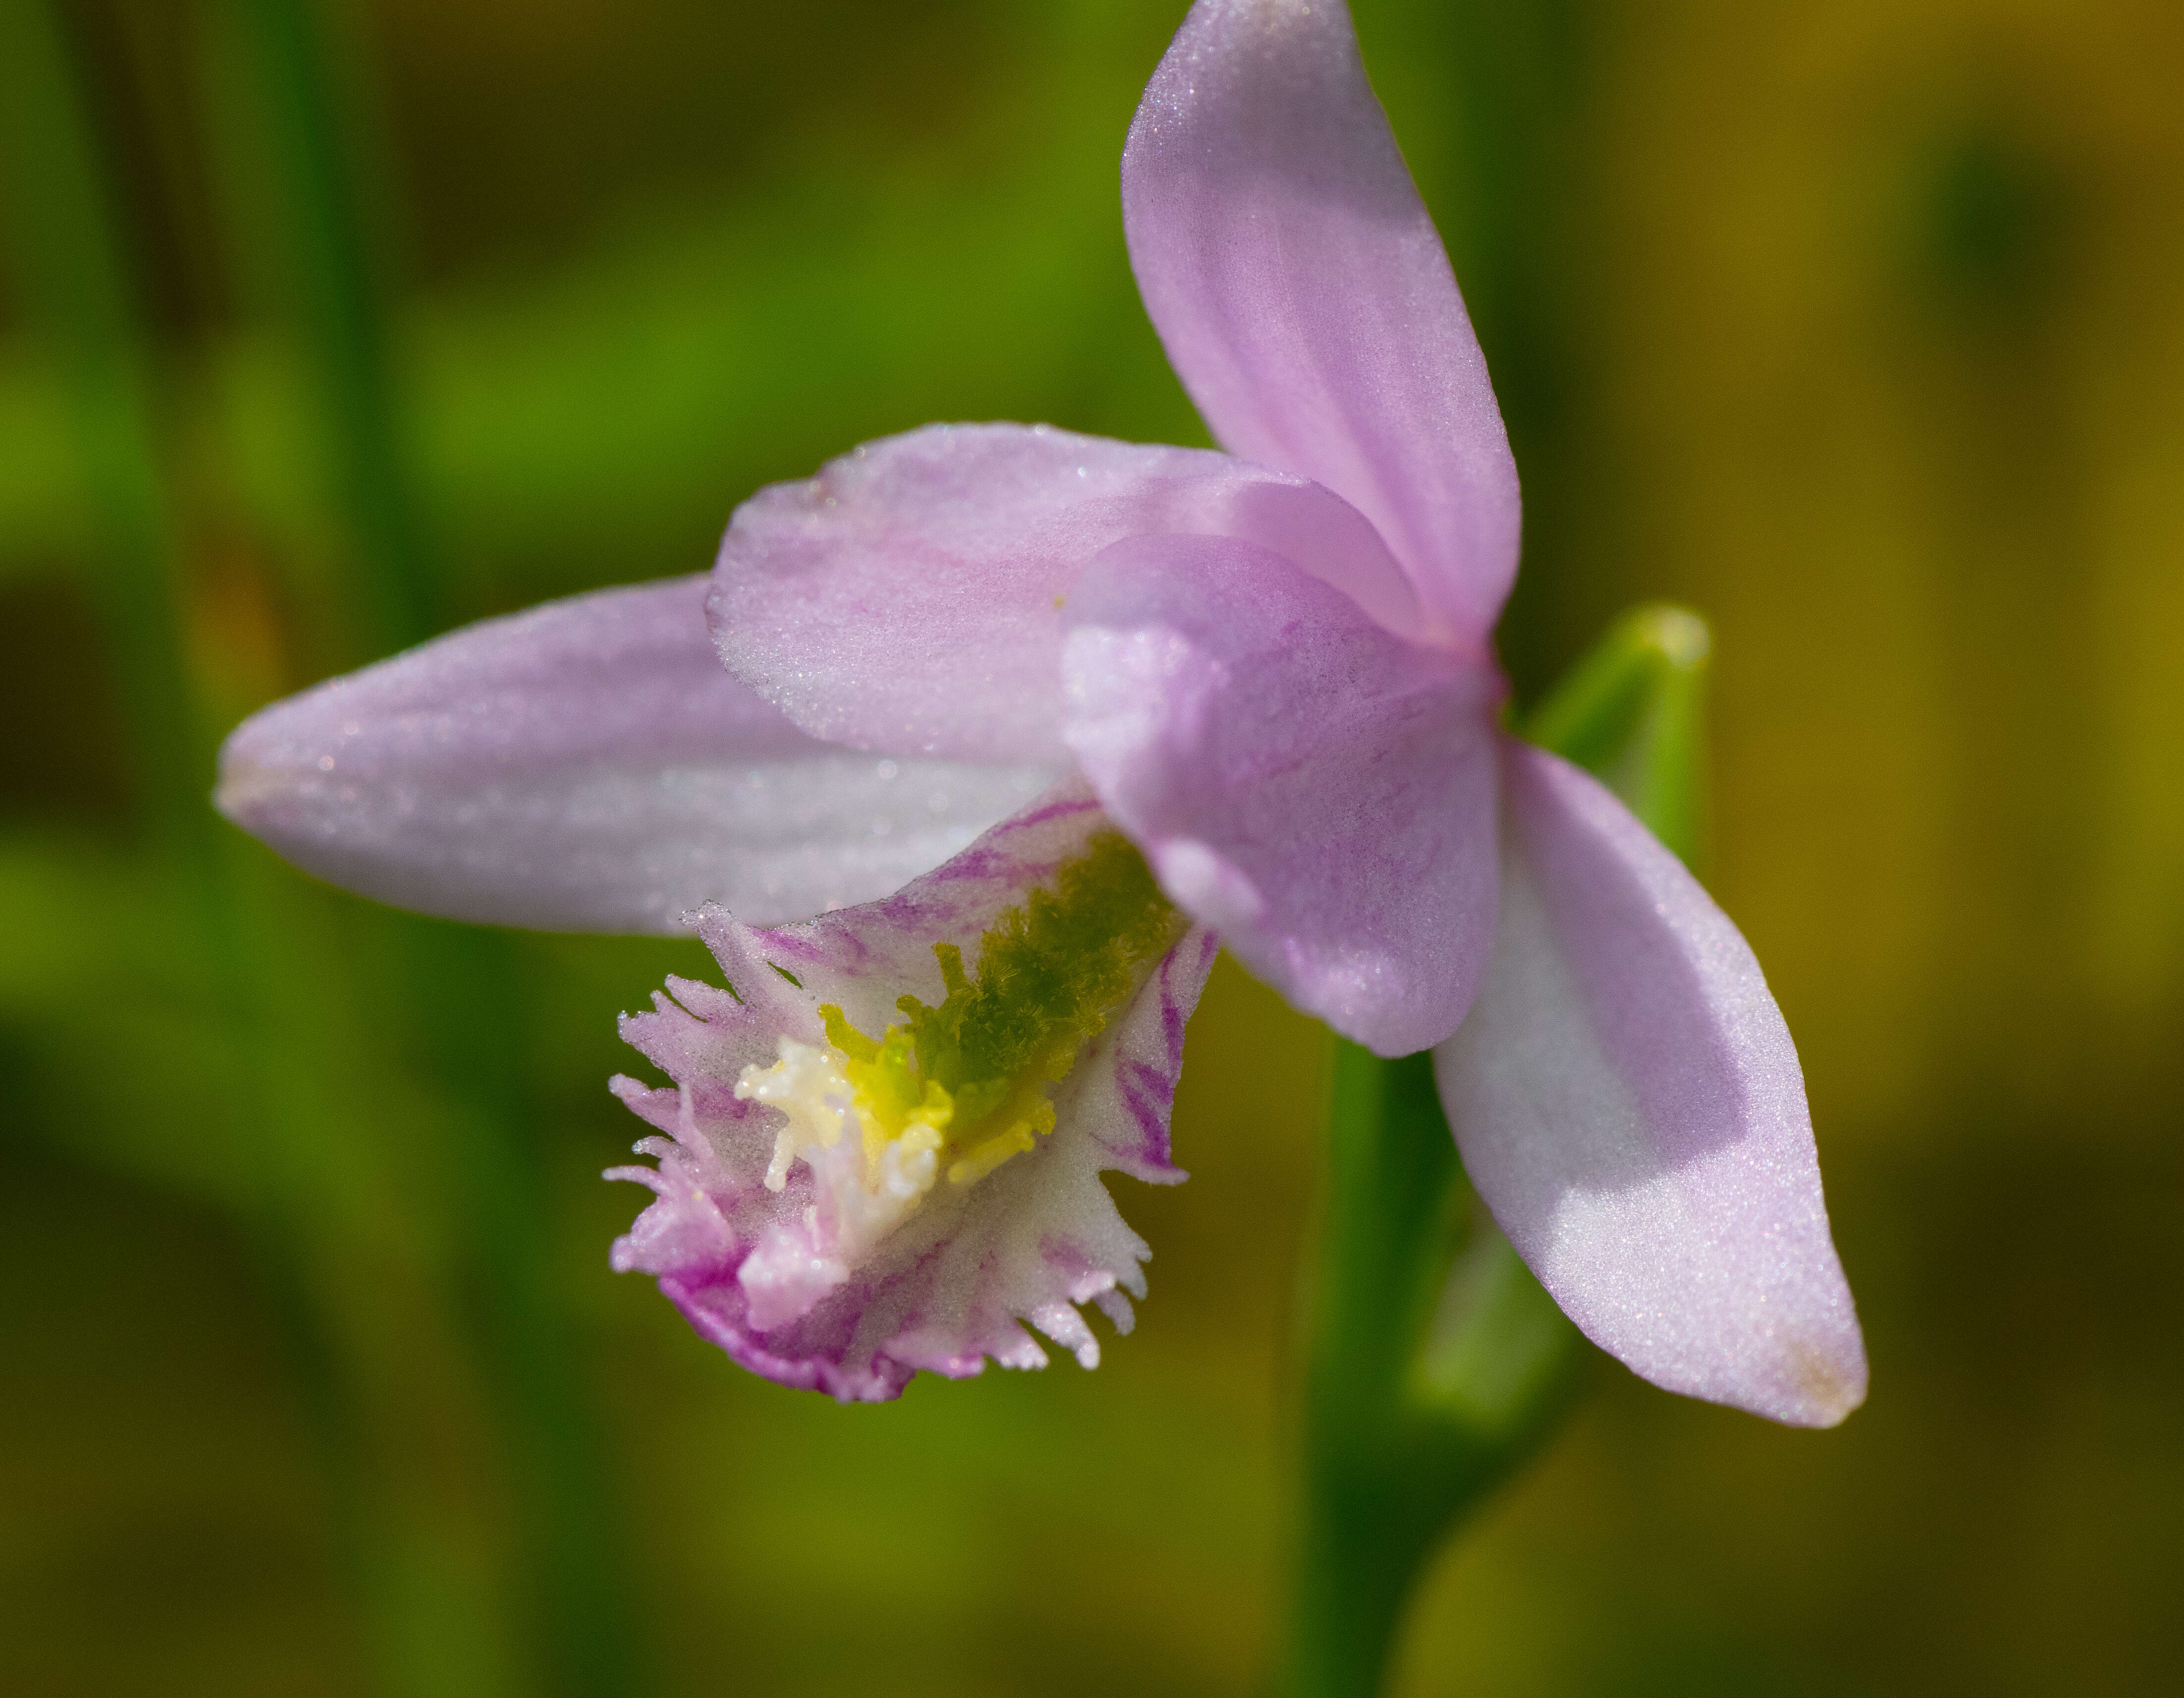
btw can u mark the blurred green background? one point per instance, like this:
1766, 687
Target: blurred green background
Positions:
1858, 327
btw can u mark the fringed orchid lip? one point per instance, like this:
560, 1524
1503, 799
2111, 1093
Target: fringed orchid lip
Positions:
1275, 665
883, 1143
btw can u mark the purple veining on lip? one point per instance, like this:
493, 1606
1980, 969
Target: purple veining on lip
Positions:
1149, 1092
1067, 1257
1173, 1015
1039, 816
1147, 1087
818, 1361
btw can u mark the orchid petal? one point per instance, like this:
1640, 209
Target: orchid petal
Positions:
1629, 1103
953, 1283
1319, 790
906, 599
1305, 300
589, 765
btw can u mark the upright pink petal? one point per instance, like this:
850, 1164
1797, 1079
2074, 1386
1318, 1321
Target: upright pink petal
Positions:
1305, 300
906, 599
1629, 1103
589, 765
1318, 790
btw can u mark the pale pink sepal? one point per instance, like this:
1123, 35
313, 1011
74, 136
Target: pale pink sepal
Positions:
589, 765
1629, 1103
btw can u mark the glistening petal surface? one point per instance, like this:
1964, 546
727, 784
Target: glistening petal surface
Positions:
587, 766
1318, 790
907, 599
1629, 1105
1305, 300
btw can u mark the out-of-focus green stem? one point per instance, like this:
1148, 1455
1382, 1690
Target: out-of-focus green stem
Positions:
69, 244
462, 984
75, 286
1434, 1361
325, 235
1387, 1463
576, 1575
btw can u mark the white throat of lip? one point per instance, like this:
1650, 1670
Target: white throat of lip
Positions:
866, 1184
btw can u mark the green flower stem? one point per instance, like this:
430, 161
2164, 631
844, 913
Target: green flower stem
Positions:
1392, 1456
461, 981
1433, 1363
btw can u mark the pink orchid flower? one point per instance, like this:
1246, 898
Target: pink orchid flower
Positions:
1268, 670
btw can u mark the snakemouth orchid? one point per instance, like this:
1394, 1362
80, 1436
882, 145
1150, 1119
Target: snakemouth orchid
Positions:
971, 745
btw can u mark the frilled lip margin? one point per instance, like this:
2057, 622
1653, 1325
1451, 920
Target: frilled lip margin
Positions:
950, 1286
